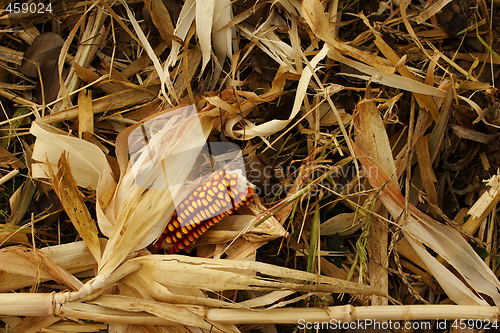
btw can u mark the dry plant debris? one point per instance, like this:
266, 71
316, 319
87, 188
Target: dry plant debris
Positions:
368, 132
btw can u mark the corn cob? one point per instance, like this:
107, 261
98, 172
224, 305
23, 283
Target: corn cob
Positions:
217, 198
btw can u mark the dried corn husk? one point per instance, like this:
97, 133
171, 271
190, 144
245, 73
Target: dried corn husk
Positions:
446, 241
22, 268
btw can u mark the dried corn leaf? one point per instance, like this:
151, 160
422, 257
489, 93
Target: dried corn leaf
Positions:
66, 189
163, 75
222, 36
269, 42
423, 100
161, 19
393, 80
186, 19
276, 125
85, 113
21, 261
232, 227
222, 274
143, 283
431, 10
86, 160
372, 138
93, 36
20, 201
427, 173
8, 159
446, 241
72, 257
313, 13
344, 224
191, 59
121, 99
454, 288
204, 18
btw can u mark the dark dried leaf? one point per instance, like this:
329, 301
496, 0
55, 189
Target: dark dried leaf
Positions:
45, 48
161, 16
9, 159
469, 134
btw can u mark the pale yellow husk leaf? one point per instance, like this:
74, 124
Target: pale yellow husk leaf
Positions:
222, 36
223, 274
23, 269
87, 161
204, 18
